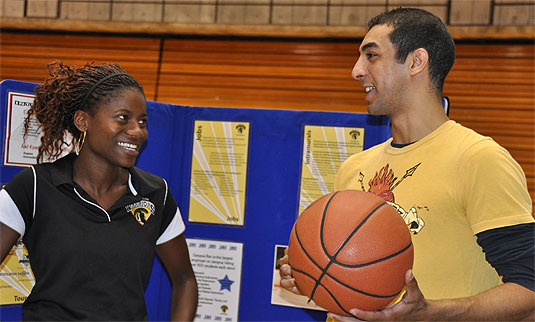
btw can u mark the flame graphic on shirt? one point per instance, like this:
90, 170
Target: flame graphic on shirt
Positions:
383, 183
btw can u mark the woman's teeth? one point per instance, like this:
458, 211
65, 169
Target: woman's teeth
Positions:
128, 146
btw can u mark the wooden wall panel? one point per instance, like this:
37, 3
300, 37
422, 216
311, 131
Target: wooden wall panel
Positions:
24, 56
256, 73
491, 86
492, 89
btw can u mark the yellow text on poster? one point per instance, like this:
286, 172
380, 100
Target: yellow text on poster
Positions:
16, 276
324, 150
219, 172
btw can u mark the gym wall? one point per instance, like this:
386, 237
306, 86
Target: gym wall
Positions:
491, 86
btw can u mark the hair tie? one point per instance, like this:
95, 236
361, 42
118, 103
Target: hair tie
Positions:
102, 80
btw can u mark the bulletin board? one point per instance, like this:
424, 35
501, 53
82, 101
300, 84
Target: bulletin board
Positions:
271, 197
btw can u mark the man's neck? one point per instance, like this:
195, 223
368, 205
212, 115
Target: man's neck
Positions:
417, 120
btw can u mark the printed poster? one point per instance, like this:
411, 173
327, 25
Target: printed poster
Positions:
217, 266
16, 276
324, 150
281, 296
219, 172
20, 151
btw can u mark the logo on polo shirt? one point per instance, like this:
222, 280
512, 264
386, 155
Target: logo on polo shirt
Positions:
141, 210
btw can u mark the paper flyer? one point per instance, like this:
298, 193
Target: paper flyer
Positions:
217, 266
281, 296
20, 151
219, 172
324, 150
16, 276
17, 151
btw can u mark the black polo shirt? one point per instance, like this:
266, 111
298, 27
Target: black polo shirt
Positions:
89, 263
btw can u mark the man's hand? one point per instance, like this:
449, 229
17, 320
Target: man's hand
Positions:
412, 307
287, 281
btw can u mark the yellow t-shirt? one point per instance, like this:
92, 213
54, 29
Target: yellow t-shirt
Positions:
448, 186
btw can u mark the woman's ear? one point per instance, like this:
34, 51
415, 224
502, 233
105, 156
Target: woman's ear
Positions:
420, 60
80, 120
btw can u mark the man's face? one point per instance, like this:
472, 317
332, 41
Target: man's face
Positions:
382, 77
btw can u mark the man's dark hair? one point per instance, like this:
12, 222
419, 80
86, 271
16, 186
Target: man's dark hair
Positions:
417, 28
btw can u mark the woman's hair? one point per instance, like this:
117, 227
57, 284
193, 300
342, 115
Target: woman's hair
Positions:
68, 89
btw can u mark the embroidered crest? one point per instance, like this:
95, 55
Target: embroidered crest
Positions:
141, 210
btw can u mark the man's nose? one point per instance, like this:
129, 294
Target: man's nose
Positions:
358, 71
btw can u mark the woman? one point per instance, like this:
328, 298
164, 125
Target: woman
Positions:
91, 220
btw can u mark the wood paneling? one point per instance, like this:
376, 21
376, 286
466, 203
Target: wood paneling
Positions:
24, 56
491, 86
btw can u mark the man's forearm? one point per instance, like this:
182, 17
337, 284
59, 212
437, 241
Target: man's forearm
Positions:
508, 301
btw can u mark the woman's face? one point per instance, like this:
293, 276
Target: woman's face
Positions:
118, 129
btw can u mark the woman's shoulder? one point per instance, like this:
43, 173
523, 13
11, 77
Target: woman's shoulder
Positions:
146, 181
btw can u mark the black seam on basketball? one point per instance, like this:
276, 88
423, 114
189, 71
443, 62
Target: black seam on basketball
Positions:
333, 258
345, 285
361, 291
352, 233
377, 260
335, 300
323, 286
303, 272
304, 251
324, 269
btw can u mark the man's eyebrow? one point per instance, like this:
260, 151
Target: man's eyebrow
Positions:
369, 45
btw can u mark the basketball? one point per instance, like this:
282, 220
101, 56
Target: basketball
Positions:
350, 249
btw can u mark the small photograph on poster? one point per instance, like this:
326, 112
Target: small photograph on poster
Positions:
219, 172
324, 150
16, 276
217, 266
19, 150
281, 296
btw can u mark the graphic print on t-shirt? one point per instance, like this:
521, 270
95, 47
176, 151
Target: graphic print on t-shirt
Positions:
383, 184
141, 210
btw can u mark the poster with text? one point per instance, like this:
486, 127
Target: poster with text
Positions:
217, 266
19, 150
281, 296
16, 276
219, 172
324, 150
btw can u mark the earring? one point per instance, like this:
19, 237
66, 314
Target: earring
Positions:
78, 147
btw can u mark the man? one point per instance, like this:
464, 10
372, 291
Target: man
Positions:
454, 188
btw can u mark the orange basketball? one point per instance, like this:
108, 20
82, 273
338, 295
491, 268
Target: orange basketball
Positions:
350, 249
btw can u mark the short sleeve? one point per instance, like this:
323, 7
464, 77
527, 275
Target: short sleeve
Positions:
495, 188
17, 201
174, 225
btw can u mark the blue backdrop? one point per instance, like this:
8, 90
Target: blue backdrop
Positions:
272, 195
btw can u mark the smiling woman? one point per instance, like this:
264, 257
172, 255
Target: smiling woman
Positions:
91, 221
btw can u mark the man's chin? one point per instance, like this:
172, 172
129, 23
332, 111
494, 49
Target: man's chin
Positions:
371, 111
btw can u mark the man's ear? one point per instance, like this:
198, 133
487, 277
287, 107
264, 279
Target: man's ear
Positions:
420, 60
80, 120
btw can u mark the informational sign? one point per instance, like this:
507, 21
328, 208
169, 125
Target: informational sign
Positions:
219, 172
217, 266
19, 150
16, 276
281, 296
324, 150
